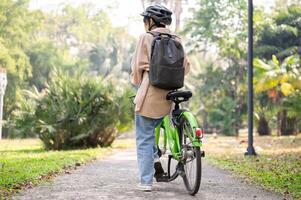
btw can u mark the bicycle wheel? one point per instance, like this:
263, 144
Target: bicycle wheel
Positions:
191, 159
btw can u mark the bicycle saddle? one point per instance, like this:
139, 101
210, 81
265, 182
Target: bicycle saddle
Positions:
179, 96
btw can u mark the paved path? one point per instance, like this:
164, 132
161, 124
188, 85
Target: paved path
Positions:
115, 177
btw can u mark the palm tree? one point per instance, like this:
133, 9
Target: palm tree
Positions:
278, 80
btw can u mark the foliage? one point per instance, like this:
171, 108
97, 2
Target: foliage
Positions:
219, 97
277, 37
279, 80
43, 57
218, 31
222, 116
17, 24
21, 121
280, 36
283, 77
292, 104
216, 23
73, 39
88, 33
126, 110
264, 111
71, 112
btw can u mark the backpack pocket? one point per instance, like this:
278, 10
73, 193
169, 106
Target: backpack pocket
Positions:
167, 77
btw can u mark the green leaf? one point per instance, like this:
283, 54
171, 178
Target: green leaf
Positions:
261, 65
275, 60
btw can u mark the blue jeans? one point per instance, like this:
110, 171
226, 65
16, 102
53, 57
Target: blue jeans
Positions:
146, 148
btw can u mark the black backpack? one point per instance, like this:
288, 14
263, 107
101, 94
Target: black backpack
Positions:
167, 62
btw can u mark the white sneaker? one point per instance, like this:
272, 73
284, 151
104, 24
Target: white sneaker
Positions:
145, 188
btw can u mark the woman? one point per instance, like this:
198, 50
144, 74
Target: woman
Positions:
151, 104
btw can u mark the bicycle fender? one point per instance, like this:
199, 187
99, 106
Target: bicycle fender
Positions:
189, 116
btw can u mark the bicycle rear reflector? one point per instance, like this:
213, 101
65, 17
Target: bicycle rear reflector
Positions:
199, 132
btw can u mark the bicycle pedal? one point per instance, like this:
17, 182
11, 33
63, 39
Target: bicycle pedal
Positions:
158, 168
162, 177
180, 170
202, 153
181, 173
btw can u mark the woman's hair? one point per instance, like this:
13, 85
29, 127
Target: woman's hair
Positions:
156, 24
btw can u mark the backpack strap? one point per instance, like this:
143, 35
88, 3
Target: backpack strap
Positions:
158, 34
153, 33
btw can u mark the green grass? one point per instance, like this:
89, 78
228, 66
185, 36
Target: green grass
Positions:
25, 162
277, 168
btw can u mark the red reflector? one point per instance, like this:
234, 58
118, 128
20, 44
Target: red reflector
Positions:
198, 132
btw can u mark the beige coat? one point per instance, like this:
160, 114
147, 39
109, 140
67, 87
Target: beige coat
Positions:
150, 101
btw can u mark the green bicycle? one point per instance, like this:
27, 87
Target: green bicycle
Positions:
181, 134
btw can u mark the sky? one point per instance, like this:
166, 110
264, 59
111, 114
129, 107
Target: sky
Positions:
125, 13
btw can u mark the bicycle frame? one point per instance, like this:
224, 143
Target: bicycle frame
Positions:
171, 134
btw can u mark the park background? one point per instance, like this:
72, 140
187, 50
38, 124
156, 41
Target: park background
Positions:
68, 65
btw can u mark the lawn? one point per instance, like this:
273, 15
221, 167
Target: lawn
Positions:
277, 166
24, 163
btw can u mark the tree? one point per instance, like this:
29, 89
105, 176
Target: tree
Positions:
285, 3
219, 27
214, 23
73, 39
43, 57
88, 33
16, 27
216, 103
263, 112
279, 80
281, 35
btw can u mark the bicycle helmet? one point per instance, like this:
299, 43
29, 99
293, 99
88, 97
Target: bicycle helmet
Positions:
160, 14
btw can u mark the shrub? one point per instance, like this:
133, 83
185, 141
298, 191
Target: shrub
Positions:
72, 112
222, 116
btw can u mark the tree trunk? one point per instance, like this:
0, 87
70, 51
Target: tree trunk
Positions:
263, 126
278, 123
178, 10
288, 125
143, 4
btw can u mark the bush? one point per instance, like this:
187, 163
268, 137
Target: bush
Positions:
222, 116
21, 121
72, 112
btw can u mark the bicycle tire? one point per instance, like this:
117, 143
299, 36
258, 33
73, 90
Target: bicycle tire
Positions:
191, 189
175, 174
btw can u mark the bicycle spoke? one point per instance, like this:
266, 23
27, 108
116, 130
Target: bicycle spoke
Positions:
190, 168
190, 173
191, 158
